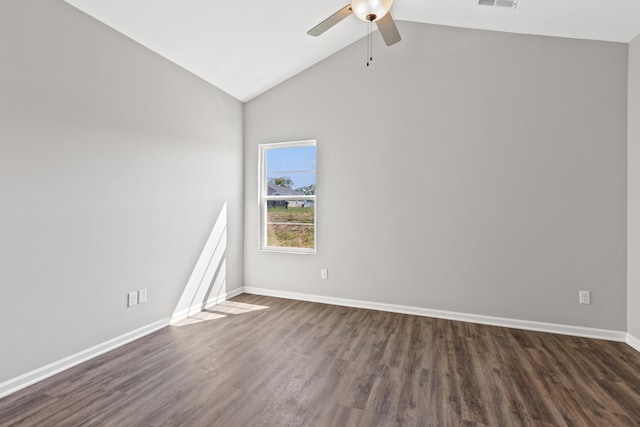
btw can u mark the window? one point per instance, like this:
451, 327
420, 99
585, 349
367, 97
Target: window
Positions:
288, 197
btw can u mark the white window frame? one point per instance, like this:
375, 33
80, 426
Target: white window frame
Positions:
263, 198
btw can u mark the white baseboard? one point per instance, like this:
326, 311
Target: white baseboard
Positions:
633, 342
44, 372
194, 309
578, 331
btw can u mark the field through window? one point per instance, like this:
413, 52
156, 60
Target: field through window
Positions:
288, 196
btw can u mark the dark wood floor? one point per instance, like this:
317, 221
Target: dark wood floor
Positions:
259, 361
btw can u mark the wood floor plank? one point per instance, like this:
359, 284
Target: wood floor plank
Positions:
257, 360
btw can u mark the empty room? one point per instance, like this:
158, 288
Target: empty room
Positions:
312, 213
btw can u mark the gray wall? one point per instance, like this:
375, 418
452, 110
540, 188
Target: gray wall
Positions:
633, 222
465, 170
114, 165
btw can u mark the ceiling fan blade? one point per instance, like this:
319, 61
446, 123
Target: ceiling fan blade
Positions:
331, 21
388, 29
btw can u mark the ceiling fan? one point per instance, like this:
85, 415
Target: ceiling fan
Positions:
369, 11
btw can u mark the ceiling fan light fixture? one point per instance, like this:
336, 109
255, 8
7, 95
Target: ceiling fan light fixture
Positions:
371, 10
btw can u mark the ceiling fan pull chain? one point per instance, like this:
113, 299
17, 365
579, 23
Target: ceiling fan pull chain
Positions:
369, 44
371, 40
368, 36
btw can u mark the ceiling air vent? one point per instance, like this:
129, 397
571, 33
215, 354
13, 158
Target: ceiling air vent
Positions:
499, 3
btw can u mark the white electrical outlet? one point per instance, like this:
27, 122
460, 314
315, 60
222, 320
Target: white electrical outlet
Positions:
133, 299
585, 297
142, 296
324, 273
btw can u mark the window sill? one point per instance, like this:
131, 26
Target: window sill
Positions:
288, 251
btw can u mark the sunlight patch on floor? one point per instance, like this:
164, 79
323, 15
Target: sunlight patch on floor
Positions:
233, 307
220, 311
200, 317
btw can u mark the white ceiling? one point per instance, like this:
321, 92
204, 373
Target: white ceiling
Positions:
247, 47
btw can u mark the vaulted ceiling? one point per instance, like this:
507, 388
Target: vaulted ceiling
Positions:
246, 47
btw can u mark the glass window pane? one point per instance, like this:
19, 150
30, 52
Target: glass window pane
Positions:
291, 184
291, 159
291, 171
290, 236
295, 211
288, 172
